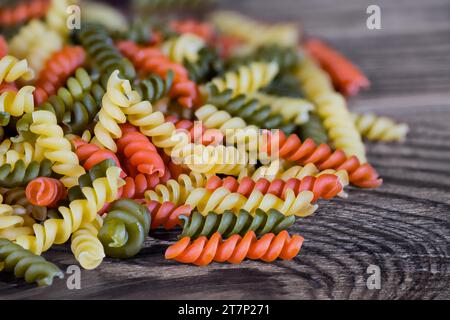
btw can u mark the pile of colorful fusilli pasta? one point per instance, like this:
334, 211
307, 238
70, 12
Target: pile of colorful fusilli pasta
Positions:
228, 129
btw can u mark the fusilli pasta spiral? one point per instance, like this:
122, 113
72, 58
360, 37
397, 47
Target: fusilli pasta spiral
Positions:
235, 249
332, 109
378, 128
56, 148
228, 223
86, 247
125, 229
27, 265
222, 199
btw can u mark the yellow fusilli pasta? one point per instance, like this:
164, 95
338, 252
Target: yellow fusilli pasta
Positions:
12, 152
36, 43
18, 103
332, 109
12, 225
58, 231
55, 147
222, 199
254, 32
377, 128
292, 109
177, 191
183, 47
11, 69
112, 113
247, 79
86, 247
235, 129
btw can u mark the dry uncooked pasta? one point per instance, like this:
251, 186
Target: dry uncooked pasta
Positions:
227, 128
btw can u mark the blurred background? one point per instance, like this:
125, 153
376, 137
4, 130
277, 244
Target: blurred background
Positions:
400, 58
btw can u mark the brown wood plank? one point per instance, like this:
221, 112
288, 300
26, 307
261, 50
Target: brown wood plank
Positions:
403, 227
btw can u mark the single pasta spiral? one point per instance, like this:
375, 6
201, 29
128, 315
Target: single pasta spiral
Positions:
246, 79
112, 114
294, 150
12, 69
17, 103
139, 151
184, 47
378, 128
254, 32
124, 229
332, 109
222, 199
249, 109
235, 249
228, 223
86, 247
27, 265
46, 192
57, 148
177, 191
325, 186
58, 231
11, 224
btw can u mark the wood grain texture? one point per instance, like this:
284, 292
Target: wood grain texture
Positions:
403, 227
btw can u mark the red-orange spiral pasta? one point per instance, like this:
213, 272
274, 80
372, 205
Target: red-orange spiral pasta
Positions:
139, 151
294, 150
325, 186
235, 249
202, 29
91, 154
3, 47
198, 132
152, 60
24, 11
57, 70
347, 78
166, 214
45, 192
136, 186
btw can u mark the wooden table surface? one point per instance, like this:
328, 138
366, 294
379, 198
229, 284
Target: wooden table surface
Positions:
403, 226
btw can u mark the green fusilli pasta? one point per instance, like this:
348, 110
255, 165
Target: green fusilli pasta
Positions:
27, 265
228, 223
